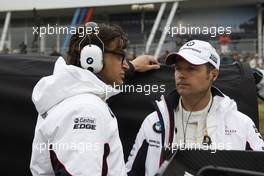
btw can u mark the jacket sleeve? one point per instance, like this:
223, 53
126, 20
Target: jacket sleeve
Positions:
254, 138
79, 143
135, 165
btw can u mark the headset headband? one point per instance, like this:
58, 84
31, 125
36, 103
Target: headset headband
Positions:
92, 25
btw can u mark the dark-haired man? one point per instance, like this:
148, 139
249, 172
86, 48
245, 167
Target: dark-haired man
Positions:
76, 131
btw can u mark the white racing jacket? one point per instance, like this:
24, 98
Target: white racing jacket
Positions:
227, 127
76, 132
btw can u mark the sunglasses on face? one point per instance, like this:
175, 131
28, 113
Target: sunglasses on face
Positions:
121, 54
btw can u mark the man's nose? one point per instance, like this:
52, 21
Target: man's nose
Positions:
125, 65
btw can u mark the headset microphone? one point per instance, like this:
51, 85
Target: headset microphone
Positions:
206, 139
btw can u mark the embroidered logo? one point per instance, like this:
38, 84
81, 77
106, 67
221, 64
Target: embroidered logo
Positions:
191, 43
229, 132
84, 123
44, 115
256, 129
157, 127
154, 143
213, 58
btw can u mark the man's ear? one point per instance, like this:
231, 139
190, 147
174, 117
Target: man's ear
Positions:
214, 73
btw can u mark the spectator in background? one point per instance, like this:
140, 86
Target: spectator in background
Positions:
55, 51
255, 62
236, 57
224, 41
226, 59
5, 49
23, 48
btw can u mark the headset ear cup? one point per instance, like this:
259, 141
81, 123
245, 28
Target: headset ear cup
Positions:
91, 58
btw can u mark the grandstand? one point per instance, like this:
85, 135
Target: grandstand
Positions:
138, 19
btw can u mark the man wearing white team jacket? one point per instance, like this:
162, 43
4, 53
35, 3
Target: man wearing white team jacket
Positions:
76, 132
194, 115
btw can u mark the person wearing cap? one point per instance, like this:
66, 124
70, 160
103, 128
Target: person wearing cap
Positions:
195, 115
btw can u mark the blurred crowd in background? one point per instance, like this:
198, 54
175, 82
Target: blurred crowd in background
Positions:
241, 43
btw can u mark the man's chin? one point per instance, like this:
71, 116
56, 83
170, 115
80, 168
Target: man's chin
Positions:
118, 83
183, 92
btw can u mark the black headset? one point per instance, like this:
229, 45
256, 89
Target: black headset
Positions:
91, 55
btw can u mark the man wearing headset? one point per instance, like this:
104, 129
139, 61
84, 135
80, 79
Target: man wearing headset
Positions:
196, 114
76, 131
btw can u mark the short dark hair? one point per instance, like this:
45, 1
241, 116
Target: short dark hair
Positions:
108, 33
209, 67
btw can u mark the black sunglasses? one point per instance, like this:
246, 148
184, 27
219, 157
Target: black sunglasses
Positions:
119, 53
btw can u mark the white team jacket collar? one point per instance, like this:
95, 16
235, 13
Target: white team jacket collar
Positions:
67, 81
167, 105
220, 101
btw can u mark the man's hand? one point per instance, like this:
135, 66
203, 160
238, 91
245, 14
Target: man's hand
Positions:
145, 63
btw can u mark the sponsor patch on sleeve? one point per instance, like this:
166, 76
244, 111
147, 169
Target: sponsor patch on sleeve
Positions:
256, 129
